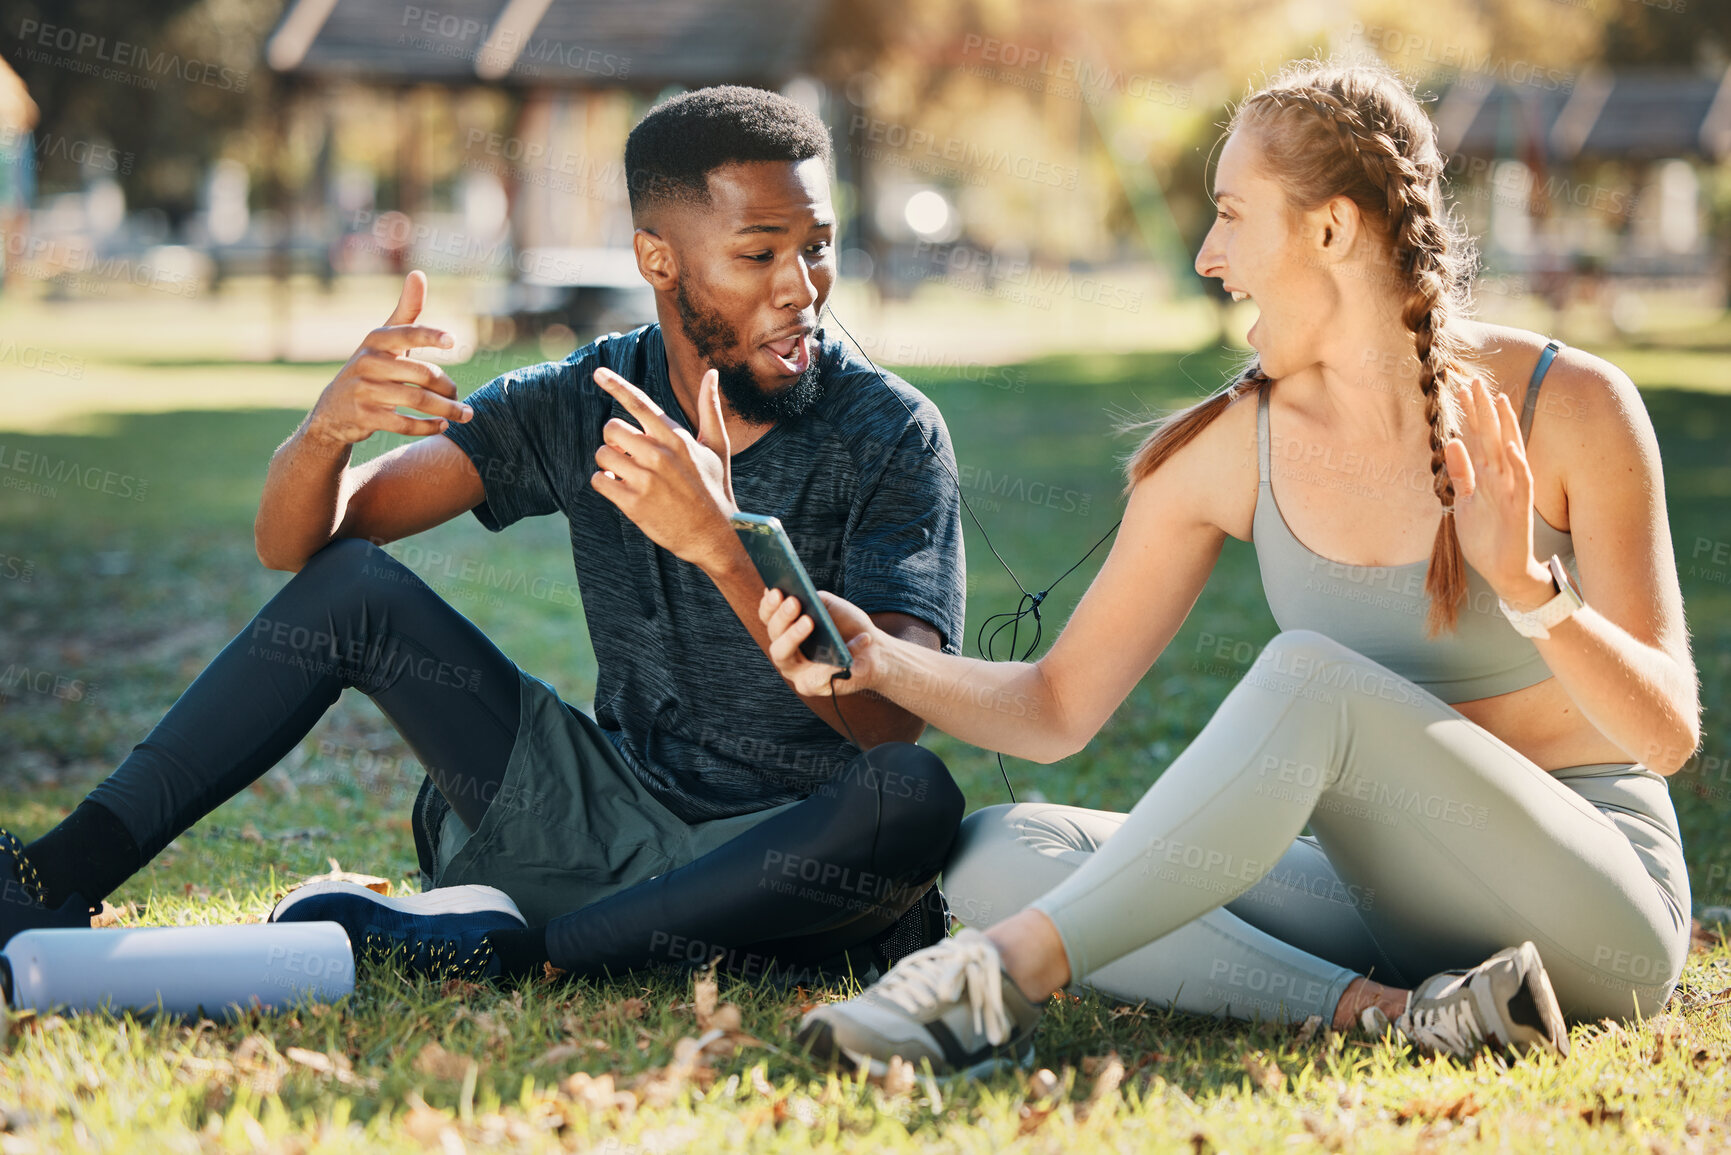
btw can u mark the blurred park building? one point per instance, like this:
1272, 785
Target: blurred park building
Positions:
1055, 150
1610, 177
422, 159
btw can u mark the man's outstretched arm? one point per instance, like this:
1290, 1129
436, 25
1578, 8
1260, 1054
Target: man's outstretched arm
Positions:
311, 496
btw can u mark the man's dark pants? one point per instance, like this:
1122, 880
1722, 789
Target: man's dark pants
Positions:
845, 866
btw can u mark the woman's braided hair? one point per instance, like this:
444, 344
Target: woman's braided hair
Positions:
1357, 131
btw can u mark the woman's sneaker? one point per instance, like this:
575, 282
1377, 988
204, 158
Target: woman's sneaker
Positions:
437, 934
1503, 1004
21, 905
951, 1004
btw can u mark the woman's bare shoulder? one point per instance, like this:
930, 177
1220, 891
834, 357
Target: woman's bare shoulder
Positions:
1216, 473
1588, 415
1579, 388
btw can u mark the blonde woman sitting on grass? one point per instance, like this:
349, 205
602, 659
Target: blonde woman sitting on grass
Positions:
1475, 736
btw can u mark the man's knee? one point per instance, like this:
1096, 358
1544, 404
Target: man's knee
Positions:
918, 794
353, 566
343, 560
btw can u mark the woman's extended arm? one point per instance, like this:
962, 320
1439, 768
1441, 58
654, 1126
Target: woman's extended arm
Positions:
1624, 658
1050, 708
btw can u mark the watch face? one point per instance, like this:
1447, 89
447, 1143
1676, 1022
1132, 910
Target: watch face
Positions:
1565, 586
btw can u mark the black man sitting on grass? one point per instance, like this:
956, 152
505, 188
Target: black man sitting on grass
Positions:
707, 808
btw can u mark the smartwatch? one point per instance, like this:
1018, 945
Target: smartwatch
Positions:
1537, 623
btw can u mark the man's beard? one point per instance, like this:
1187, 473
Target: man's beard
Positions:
711, 334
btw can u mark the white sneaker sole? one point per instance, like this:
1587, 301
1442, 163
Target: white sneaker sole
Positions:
824, 1042
470, 899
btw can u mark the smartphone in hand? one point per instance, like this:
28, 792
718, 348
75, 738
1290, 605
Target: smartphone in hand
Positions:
772, 553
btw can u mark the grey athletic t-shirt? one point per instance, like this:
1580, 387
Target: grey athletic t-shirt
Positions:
694, 706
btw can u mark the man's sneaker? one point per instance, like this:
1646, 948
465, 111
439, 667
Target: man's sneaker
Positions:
437, 933
950, 1004
21, 905
1503, 1004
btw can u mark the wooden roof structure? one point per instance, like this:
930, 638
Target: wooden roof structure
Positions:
641, 44
1635, 115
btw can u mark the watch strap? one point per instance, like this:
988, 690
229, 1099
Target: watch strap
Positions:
1538, 623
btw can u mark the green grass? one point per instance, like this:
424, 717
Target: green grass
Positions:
124, 598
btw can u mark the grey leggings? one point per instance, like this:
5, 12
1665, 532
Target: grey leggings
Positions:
1434, 845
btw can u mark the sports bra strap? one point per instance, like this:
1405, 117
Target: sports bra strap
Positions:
1546, 356
1262, 434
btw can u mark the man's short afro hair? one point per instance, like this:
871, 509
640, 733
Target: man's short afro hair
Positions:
672, 151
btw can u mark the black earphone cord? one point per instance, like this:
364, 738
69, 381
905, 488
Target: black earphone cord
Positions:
1029, 603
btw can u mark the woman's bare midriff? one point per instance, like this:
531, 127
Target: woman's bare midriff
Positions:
1543, 723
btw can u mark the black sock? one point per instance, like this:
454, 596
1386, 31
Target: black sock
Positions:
89, 854
521, 953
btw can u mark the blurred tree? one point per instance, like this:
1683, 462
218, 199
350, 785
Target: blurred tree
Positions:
183, 76
1669, 32
1133, 95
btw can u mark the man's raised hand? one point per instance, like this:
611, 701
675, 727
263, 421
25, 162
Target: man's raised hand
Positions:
362, 399
676, 488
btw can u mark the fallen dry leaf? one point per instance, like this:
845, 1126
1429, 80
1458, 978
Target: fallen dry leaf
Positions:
1668, 1031
1103, 1097
899, 1078
1043, 1084
338, 1066
722, 1043
311, 1059
1031, 1118
427, 1126
705, 994
337, 874
111, 915
1705, 937
1308, 1031
659, 1086
1146, 1059
436, 1062
706, 1004
598, 1093
1427, 1110
760, 1081
1265, 1074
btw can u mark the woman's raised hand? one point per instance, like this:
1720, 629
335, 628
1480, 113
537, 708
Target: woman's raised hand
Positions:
1493, 489
789, 625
